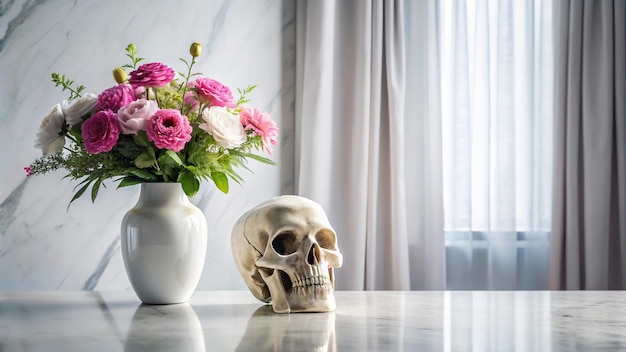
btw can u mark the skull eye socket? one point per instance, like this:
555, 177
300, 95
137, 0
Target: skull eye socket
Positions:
285, 243
325, 239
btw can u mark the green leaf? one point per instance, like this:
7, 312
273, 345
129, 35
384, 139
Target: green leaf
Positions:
172, 155
76, 131
94, 189
141, 139
220, 180
130, 181
143, 174
169, 173
128, 148
145, 160
258, 158
80, 191
190, 183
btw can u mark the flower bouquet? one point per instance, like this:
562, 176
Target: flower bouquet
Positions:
155, 125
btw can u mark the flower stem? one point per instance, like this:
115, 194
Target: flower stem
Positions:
193, 61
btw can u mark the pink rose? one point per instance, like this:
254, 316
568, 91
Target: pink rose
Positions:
212, 92
134, 116
116, 97
154, 74
168, 129
262, 125
100, 132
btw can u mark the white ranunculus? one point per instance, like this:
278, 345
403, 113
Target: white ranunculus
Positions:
50, 138
79, 107
223, 126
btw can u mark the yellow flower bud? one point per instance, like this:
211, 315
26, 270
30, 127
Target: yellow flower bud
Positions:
196, 49
120, 75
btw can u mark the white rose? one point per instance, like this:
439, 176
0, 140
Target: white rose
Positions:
79, 107
50, 138
223, 126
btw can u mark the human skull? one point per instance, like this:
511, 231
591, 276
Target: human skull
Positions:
285, 250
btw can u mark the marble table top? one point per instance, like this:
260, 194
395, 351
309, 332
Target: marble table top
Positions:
363, 321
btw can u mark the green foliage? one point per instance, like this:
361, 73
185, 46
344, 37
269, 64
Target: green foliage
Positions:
146, 159
66, 84
190, 183
242, 94
220, 180
127, 146
131, 53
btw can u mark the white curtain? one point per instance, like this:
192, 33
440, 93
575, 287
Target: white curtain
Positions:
355, 129
497, 68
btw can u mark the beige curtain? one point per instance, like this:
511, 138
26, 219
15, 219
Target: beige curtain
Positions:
589, 215
351, 143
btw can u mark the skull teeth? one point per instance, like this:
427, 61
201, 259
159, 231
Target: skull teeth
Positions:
312, 281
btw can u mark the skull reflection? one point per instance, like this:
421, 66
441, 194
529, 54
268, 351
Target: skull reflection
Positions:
286, 250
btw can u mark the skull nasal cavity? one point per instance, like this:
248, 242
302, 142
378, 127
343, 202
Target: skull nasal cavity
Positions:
314, 257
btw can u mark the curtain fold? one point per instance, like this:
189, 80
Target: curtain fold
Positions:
351, 130
423, 145
589, 215
387, 260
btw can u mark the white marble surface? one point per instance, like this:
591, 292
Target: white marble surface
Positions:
43, 246
363, 321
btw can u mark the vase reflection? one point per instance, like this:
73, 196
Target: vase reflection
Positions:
173, 327
268, 331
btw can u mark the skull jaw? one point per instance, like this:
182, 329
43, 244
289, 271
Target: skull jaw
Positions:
311, 299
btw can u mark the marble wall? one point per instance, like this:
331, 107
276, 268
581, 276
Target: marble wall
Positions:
46, 246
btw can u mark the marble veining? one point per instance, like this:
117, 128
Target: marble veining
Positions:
12, 16
93, 279
363, 321
8, 207
46, 246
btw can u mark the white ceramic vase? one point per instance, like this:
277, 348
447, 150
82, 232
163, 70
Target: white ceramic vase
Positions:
164, 239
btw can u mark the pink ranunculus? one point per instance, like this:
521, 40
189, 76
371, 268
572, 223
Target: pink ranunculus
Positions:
133, 117
262, 125
116, 97
154, 74
139, 90
101, 131
168, 129
213, 93
191, 101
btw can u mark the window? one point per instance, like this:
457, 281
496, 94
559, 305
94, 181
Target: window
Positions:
497, 95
